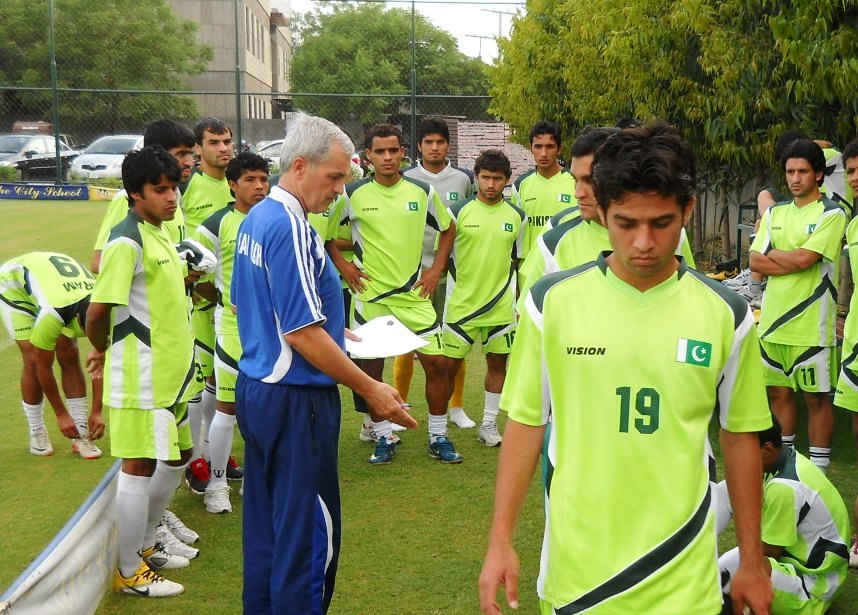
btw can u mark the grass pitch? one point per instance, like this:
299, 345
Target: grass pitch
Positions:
414, 532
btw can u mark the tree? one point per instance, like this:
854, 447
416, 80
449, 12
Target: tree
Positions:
365, 49
116, 45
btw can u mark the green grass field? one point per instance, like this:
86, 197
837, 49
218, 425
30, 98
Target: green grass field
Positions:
414, 532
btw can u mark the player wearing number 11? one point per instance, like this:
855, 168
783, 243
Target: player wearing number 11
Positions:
628, 357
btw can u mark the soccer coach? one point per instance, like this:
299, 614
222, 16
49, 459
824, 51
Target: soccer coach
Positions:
289, 304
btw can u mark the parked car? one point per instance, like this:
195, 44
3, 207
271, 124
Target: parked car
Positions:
103, 159
271, 150
34, 155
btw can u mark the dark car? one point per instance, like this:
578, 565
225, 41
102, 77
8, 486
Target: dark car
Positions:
34, 155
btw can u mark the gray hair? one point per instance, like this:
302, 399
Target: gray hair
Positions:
312, 138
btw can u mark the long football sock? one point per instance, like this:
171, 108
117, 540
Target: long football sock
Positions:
220, 444
132, 506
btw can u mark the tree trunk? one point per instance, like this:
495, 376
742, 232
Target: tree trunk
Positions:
724, 208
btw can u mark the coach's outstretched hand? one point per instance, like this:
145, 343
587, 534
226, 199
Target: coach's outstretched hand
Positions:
386, 404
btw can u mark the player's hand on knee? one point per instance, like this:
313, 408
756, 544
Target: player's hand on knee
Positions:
500, 568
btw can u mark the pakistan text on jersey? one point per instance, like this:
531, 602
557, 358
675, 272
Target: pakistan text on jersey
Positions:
70, 286
537, 220
585, 350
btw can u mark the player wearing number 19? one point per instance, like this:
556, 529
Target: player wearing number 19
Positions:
43, 302
629, 382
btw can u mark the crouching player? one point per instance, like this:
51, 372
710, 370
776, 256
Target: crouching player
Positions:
805, 530
143, 345
43, 301
247, 175
480, 282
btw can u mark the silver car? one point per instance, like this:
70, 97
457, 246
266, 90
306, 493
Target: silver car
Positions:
103, 159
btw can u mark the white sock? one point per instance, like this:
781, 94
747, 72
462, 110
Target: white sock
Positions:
460, 419
490, 413
209, 406
755, 286
820, 457
788, 441
437, 426
382, 429
132, 505
367, 421
77, 409
220, 444
35, 414
195, 418
164, 483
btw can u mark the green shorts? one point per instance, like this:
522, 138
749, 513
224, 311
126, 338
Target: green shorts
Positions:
496, 339
202, 322
418, 317
150, 434
18, 319
227, 354
812, 369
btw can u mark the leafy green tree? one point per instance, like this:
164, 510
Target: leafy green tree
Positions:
112, 44
365, 49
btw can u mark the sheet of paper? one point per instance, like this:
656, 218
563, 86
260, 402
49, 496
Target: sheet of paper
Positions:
383, 337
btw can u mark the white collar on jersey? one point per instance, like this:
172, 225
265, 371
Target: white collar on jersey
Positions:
288, 199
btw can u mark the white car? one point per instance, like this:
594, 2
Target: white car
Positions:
103, 159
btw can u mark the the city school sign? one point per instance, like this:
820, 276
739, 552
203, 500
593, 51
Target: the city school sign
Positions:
44, 192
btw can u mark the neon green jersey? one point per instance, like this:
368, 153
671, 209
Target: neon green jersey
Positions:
117, 209
572, 243
387, 226
540, 199
480, 286
560, 217
218, 233
335, 230
202, 196
804, 513
150, 361
49, 286
800, 308
630, 385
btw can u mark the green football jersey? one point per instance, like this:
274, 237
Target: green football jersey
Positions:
800, 308
335, 230
49, 286
630, 385
572, 243
540, 199
387, 227
117, 209
480, 274
150, 361
804, 513
847, 384
202, 196
560, 217
218, 233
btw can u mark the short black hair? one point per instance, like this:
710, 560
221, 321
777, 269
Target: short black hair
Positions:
492, 160
590, 139
785, 140
381, 130
850, 151
543, 127
653, 158
147, 166
772, 435
810, 151
245, 161
213, 125
168, 134
433, 126
628, 122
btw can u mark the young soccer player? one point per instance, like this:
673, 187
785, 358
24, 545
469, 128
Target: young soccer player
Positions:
805, 530
143, 346
454, 186
582, 237
247, 175
629, 384
388, 215
548, 188
480, 283
43, 302
206, 192
798, 247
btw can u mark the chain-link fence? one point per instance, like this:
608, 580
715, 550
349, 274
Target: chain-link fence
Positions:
59, 95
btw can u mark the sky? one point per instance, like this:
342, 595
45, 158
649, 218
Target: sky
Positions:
461, 20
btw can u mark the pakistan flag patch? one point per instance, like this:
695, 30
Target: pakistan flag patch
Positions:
452, 196
808, 229
506, 226
412, 206
693, 352
564, 198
